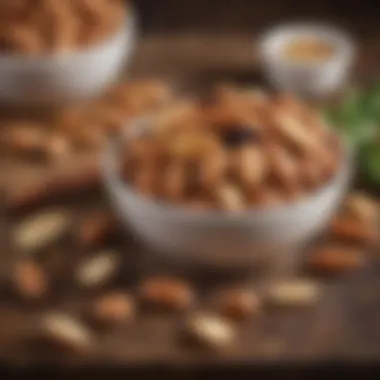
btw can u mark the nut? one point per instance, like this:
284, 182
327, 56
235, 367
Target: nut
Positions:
95, 228
362, 206
293, 293
96, 271
114, 308
210, 331
40, 230
335, 259
238, 304
29, 279
167, 293
66, 331
229, 198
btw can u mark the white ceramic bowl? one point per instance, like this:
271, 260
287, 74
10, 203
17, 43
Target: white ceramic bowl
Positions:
57, 79
311, 79
218, 237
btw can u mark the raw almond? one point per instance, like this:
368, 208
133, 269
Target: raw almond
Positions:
335, 259
210, 331
29, 279
66, 331
238, 304
42, 229
95, 228
167, 293
98, 270
229, 197
114, 308
362, 206
293, 293
354, 230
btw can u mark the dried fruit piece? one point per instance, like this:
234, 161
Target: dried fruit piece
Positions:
335, 259
297, 292
29, 279
167, 293
174, 182
42, 229
66, 331
95, 228
212, 169
114, 308
98, 270
238, 304
354, 230
210, 331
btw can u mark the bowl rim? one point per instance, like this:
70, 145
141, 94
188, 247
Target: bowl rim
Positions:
113, 182
280, 34
128, 28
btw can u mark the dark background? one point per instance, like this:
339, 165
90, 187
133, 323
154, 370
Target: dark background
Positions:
213, 16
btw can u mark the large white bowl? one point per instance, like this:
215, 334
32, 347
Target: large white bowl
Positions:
67, 77
218, 237
312, 79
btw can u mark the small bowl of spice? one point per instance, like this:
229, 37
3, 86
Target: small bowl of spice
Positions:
312, 60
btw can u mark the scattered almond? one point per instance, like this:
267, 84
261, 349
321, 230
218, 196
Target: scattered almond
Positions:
98, 270
29, 279
114, 308
362, 206
298, 292
210, 331
95, 228
354, 230
238, 304
66, 331
335, 259
168, 293
42, 229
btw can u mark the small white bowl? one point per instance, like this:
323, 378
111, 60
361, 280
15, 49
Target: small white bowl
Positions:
220, 238
53, 80
311, 79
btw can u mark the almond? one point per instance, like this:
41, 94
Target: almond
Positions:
293, 293
167, 293
229, 198
210, 331
98, 270
335, 259
238, 304
40, 230
114, 308
29, 279
362, 206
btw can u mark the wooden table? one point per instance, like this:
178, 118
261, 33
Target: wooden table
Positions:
343, 326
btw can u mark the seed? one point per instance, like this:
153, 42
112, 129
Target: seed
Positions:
66, 331
238, 304
362, 207
230, 198
29, 279
114, 308
335, 259
291, 293
41, 230
210, 331
168, 293
95, 228
98, 270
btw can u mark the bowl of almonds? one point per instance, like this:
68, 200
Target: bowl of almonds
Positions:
241, 178
55, 52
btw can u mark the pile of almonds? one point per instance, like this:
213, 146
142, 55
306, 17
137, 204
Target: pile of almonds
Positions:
241, 149
51, 26
211, 325
86, 127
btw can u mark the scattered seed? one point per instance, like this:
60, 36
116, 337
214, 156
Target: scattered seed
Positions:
95, 228
301, 292
66, 331
168, 293
98, 270
40, 230
335, 259
210, 331
29, 279
238, 304
114, 308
